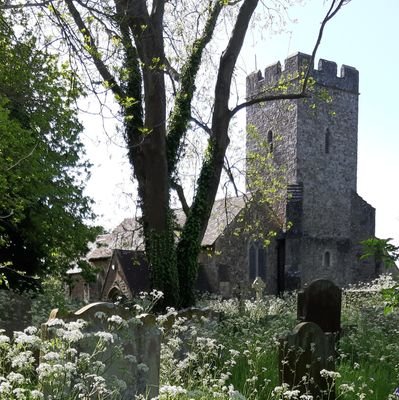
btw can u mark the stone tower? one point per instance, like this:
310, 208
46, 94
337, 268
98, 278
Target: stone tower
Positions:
315, 139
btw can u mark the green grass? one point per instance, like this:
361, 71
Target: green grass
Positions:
241, 361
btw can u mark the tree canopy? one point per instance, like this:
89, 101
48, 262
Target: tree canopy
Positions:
43, 212
150, 55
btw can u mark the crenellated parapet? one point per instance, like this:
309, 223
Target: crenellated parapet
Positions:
295, 66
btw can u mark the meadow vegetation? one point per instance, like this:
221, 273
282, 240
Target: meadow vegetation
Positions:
233, 355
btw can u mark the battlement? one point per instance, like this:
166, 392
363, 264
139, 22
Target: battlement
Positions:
325, 75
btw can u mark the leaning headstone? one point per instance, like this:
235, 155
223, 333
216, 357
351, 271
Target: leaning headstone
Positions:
306, 361
130, 345
320, 302
259, 286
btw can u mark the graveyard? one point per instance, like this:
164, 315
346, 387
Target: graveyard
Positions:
319, 343
248, 266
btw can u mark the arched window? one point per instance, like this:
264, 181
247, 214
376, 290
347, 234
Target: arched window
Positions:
270, 140
115, 294
327, 139
257, 261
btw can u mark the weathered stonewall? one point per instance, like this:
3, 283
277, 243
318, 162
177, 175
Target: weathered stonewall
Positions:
303, 354
320, 302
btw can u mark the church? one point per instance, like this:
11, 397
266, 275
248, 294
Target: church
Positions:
314, 226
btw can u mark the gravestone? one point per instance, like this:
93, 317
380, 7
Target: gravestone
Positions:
320, 302
259, 286
303, 354
134, 348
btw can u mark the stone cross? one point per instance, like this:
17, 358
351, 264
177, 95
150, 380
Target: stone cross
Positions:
307, 361
320, 302
258, 285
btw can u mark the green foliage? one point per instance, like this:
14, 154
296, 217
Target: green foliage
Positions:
382, 250
237, 356
43, 211
385, 254
52, 295
368, 350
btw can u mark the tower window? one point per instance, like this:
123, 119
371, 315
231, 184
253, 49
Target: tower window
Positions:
327, 141
257, 261
270, 140
327, 259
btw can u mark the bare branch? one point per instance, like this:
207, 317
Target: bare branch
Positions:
330, 14
179, 190
93, 50
202, 125
23, 158
262, 99
227, 169
23, 5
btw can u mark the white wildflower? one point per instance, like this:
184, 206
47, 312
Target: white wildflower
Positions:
116, 319
70, 335
30, 330
173, 391
100, 315
55, 322
19, 394
22, 359
330, 374
51, 356
5, 387
76, 325
105, 336
142, 367
291, 394
234, 394
15, 377
345, 388
131, 358
23, 338
4, 339
36, 395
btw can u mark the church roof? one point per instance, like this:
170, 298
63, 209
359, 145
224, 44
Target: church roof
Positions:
128, 235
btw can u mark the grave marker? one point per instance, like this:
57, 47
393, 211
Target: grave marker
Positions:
320, 302
303, 354
138, 365
259, 286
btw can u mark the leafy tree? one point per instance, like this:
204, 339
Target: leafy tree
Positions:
43, 211
386, 255
149, 54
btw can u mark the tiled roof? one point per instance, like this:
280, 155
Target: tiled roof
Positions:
128, 234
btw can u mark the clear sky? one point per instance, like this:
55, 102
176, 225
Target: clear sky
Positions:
364, 35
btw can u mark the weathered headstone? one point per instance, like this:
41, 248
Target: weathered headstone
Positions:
320, 302
259, 286
303, 354
137, 345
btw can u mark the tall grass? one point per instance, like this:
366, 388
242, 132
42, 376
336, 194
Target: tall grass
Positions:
237, 356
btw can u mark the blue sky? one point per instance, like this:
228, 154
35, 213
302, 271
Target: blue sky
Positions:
363, 35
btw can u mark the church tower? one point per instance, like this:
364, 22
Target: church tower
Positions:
315, 140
